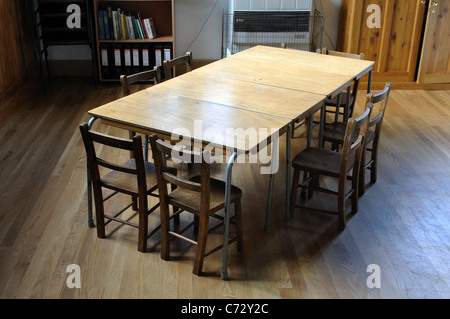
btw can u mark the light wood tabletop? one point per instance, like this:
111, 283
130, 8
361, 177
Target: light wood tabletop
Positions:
150, 111
251, 96
291, 69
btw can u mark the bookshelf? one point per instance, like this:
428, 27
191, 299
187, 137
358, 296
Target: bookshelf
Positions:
132, 51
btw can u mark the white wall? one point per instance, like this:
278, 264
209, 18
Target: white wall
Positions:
198, 25
198, 28
330, 10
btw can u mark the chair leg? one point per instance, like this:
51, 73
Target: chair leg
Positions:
355, 187
341, 204
165, 226
237, 209
294, 188
143, 224
99, 214
314, 182
201, 244
362, 175
373, 166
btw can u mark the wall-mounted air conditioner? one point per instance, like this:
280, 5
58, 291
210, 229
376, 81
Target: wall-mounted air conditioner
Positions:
268, 22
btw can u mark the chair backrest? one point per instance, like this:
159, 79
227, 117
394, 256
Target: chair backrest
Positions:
127, 80
361, 56
185, 59
161, 150
94, 161
354, 140
379, 100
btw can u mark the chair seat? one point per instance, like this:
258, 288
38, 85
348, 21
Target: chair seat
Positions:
319, 160
129, 182
335, 132
190, 200
333, 101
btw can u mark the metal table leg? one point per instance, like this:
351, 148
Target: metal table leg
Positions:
347, 106
369, 83
322, 121
89, 185
288, 173
226, 231
272, 176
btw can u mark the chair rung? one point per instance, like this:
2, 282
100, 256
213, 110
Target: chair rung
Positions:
182, 237
212, 251
319, 189
121, 221
222, 218
151, 210
154, 231
110, 195
118, 213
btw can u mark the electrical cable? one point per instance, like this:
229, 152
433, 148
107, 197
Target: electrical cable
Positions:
201, 29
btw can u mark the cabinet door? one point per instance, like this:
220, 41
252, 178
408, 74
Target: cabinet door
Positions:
395, 46
435, 64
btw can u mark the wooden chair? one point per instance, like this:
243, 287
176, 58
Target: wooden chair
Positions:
335, 133
169, 66
135, 177
201, 195
341, 99
127, 80
315, 161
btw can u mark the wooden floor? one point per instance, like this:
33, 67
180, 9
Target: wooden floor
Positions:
403, 223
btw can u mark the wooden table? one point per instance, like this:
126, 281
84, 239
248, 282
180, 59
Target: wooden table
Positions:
262, 89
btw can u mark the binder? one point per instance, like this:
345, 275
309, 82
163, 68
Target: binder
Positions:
136, 58
105, 55
158, 55
118, 61
127, 59
146, 62
167, 53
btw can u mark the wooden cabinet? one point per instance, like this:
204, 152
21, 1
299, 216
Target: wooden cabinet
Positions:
148, 50
394, 46
412, 45
435, 58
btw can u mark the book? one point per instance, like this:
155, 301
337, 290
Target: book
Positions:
130, 28
111, 26
149, 30
136, 23
119, 25
124, 30
106, 25
101, 25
